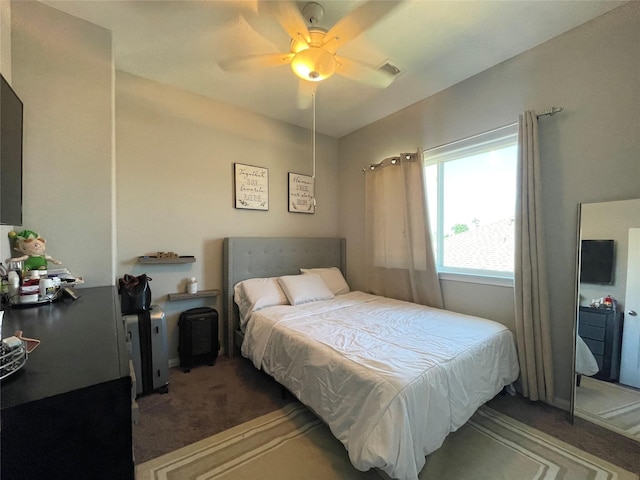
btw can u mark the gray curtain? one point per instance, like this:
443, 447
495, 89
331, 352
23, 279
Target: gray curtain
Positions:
531, 296
400, 257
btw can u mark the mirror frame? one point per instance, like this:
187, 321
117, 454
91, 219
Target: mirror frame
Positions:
577, 300
576, 308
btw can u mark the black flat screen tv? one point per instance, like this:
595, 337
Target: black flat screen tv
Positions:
10, 155
597, 261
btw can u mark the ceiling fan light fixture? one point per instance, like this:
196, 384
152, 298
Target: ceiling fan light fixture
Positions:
313, 64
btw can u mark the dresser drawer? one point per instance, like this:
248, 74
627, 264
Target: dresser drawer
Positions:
597, 348
591, 331
600, 362
592, 318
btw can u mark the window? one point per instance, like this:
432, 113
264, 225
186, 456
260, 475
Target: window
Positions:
471, 192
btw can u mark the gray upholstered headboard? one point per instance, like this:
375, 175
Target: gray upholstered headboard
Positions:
254, 257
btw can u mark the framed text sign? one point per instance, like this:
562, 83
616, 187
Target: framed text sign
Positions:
301, 193
251, 187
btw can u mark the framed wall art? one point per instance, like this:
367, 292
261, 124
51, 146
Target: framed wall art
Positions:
301, 193
251, 187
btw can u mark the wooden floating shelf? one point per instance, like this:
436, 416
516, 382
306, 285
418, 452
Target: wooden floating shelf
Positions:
185, 259
188, 296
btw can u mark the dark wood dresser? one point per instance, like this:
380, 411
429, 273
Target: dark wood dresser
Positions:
67, 413
601, 330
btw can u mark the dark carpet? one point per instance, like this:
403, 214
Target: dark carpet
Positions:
201, 403
210, 399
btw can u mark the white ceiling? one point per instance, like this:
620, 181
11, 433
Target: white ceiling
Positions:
435, 43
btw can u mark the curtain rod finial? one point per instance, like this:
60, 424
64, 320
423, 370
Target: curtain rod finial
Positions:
551, 112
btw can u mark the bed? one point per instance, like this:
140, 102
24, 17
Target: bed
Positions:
586, 363
391, 379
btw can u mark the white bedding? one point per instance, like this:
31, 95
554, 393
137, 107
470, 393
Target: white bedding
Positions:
390, 378
586, 363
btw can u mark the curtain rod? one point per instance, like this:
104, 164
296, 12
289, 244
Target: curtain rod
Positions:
550, 112
394, 160
390, 161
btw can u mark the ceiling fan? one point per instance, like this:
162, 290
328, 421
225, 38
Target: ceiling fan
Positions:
313, 56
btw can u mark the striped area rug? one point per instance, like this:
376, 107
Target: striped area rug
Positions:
609, 405
292, 444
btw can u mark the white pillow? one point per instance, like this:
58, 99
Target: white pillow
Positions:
332, 277
257, 293
305, 288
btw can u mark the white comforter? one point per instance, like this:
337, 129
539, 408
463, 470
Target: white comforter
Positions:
586, 363
390, 378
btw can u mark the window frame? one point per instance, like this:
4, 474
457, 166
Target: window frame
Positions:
506, 136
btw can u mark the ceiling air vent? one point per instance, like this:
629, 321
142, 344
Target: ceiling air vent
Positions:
389, 67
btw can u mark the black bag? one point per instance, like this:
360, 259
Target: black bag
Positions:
198, 342
135, 294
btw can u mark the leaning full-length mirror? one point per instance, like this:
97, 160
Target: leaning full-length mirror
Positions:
607, 349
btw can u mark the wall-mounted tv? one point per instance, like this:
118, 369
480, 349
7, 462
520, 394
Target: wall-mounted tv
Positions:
597, 261
10, 155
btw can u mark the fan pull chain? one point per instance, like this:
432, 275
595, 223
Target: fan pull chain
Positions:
313, 97
313, 141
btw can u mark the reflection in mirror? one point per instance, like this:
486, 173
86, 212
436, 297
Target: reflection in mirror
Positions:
607, 349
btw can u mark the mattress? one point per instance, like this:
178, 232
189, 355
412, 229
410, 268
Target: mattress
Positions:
390, 378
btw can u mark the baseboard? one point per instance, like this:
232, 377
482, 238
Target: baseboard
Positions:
561, 403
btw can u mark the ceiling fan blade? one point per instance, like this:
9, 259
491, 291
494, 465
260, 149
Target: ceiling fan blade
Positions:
305, 94
363, 73
356, 22
290, 19
252, 62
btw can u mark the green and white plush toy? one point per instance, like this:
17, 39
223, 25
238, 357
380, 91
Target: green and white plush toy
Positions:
32, 246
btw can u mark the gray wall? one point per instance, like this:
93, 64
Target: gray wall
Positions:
171, 188
590, 152
175, 155
63, 72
